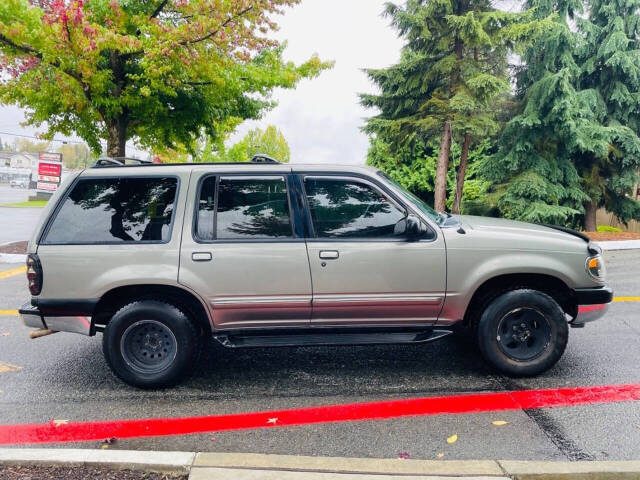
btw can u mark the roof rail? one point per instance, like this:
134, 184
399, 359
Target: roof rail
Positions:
118, 162
263, 158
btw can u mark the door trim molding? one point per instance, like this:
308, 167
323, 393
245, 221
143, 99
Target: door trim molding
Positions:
378, 298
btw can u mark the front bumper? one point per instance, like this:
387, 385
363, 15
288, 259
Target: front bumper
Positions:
32, 317
593, 303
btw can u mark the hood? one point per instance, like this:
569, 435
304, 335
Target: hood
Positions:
530, 231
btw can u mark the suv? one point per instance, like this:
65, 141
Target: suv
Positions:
19, 183
160, 257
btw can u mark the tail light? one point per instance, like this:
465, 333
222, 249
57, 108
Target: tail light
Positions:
34, 274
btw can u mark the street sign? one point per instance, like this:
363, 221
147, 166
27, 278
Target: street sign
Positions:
49, 172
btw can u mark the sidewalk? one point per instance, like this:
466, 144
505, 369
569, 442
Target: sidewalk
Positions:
247, 466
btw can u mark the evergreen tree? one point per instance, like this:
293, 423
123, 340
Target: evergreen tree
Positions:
452, 70
534, 169
611, 72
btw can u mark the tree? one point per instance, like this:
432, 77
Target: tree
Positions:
269, 142
26, 145
163, 72
415, 169
610, 57
555, 151
76, 155
452, 71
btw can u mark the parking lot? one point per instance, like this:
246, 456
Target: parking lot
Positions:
63, 378
16, 224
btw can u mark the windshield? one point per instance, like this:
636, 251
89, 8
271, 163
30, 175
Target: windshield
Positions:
417, 201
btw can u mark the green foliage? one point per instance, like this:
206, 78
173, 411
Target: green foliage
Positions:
163, 72
416, 170
269, 141
535, 170
607, 228
76, 156
453, 70
610, 56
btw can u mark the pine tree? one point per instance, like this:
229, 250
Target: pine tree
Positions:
611, 73
452, 70
535, 169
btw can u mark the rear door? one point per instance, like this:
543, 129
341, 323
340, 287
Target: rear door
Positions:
244, 251
364, 271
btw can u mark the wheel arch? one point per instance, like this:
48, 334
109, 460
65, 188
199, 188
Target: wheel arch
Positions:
495, 286
115, 298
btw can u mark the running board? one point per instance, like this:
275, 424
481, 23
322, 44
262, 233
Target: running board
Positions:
306, 338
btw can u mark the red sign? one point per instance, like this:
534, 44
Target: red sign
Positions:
49, 187
50, 169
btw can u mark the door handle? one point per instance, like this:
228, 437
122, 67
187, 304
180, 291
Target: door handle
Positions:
329, 254
201, 256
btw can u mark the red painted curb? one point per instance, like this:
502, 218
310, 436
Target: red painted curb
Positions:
456, 404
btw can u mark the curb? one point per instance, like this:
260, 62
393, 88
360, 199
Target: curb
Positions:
13, 258
610, 245
162, 462
247, 466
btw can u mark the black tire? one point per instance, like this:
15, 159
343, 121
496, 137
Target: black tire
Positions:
522, 332
150, 344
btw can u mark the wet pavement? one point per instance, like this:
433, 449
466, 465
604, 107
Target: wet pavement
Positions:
65, 377
16, 224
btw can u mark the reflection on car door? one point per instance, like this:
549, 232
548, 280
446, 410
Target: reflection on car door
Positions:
244, 253
363, 271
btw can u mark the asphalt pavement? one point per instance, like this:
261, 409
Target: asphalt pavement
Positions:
64, 377
16, 223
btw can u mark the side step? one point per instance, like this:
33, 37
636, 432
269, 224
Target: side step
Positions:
248, 339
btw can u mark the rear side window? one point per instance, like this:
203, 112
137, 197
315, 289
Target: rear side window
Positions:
116, 210
243, 208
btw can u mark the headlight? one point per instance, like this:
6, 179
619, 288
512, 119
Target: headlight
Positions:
595, 268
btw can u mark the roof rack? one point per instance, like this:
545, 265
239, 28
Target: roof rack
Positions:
118, 162
263, 158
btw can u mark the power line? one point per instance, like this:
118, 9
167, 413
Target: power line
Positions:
64, 142
40, 139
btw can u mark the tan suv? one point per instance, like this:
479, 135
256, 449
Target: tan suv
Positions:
160, 257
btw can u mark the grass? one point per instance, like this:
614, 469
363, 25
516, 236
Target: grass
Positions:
32, 204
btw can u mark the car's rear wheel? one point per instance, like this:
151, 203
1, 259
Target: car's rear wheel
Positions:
522, 332
151, 343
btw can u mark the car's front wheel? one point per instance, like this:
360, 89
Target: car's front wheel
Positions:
151, 343
522, 332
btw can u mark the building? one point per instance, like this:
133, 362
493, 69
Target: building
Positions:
24, 160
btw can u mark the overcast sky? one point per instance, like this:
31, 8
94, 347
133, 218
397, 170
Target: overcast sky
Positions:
321, 117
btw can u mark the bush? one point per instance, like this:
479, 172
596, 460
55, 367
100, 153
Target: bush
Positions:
607, 228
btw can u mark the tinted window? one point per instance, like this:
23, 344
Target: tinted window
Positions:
206, 209
115, 210
345, 208
253, 208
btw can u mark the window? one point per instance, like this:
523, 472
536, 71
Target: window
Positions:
245, 208
115, 210
350, 209
206, 209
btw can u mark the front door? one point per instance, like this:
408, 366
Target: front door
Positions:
364, 270
243, 252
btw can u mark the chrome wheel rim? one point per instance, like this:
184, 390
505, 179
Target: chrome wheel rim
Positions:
148, 346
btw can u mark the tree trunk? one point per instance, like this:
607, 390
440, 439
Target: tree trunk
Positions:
117, 138
443, 166
590, 216
457, 200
